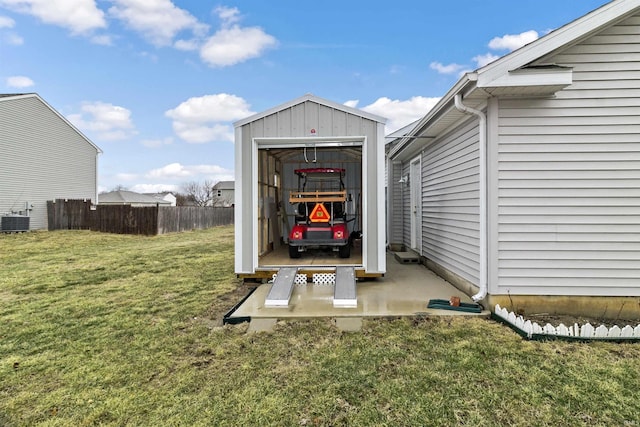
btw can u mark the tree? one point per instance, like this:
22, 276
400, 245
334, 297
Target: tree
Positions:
200, 194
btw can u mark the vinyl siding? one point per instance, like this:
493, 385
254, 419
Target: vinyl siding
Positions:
450, 201
396, 221
405, 196
568, 174
300, 119
41, 158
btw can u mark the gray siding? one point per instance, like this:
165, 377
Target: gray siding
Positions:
395, 193
405, 194
41, 158
450, 201
568, 174
300, 119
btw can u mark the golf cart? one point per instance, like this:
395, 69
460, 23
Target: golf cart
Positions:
320, 212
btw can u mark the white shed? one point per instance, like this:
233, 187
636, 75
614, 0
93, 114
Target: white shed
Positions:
522, 184
307, 132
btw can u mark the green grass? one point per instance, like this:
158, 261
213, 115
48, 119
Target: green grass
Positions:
99, 329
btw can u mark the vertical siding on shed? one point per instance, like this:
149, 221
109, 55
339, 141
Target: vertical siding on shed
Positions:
450, 201
569, 176
41, 158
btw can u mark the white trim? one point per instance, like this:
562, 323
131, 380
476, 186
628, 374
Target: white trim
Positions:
260, 143
555, 76
238, 206
415, 205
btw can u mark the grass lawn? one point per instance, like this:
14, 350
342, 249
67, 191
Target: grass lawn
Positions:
101, 329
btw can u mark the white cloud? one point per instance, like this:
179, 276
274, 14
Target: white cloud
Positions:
487, 58
446, 69
19, 82
154, 188
126, 176
106, 121
14, 39
513, 41
228, 15
352, 103
232, 43
156, 143
102, 40
158, 21
206, 118
6, 22
79, 16
193, 172
230, 46
401, 113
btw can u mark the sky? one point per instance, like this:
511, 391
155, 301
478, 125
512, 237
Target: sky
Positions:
157, 84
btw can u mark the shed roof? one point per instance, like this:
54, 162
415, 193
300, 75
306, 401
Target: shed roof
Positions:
317, 100
12, 96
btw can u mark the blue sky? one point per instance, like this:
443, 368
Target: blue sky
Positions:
157, 84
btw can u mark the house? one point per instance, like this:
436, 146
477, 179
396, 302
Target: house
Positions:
166, 196
223, 194
123, 197
42, 157
522, 185
307, 132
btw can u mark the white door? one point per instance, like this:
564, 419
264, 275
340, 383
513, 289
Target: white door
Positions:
415, 185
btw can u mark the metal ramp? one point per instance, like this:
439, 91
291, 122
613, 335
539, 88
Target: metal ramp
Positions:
344, 294
282, 288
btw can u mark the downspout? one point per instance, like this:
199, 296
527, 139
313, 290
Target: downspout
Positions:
482, 293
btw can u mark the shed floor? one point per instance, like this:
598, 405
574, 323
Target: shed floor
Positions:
311, 258
405, 290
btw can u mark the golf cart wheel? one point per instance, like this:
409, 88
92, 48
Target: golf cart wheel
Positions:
294, 252
345, 251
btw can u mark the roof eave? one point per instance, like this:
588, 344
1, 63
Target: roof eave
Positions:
312, 98
568, 34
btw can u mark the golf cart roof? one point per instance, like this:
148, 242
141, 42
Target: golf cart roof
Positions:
303, 172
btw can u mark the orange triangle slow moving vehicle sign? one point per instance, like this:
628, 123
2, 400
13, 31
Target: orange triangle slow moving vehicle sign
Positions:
319, 214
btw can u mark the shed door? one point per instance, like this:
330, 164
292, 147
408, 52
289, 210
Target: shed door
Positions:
415, 184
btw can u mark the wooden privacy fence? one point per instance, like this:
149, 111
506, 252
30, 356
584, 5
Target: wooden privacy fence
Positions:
125, 219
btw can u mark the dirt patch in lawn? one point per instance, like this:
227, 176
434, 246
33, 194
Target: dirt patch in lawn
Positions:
567, 320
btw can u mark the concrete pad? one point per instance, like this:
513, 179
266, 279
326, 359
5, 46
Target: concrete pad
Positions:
405, 290
262, 324
349, 324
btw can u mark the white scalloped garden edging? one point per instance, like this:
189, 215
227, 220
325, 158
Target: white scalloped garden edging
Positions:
586, 331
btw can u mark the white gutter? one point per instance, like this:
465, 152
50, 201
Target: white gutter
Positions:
482, 293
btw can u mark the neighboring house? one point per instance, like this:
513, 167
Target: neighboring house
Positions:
42, 157
167, 196
122, 197
223, 194
522, 185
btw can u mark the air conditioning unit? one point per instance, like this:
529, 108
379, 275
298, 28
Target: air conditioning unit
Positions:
14, 223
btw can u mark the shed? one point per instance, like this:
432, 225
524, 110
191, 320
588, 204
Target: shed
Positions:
302, 133
42, 157
522, 185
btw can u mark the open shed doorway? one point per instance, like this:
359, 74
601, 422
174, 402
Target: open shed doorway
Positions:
276, 215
